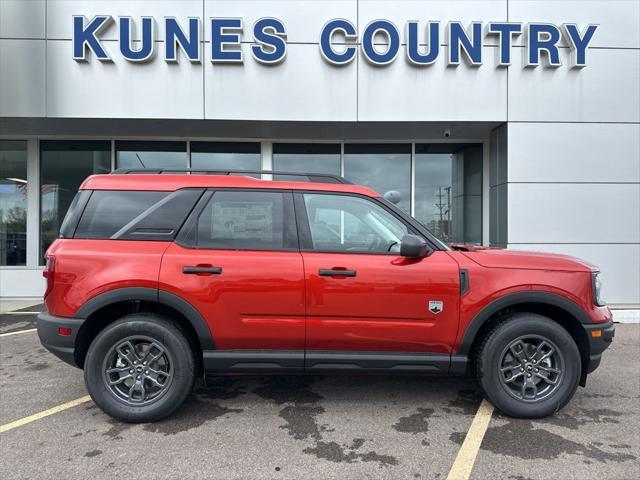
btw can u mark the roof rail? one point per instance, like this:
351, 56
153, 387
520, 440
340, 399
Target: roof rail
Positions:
311, 177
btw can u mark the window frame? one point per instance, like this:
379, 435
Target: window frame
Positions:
290, 232
304, 230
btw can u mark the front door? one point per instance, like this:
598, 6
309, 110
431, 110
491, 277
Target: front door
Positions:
362, 296
237, 262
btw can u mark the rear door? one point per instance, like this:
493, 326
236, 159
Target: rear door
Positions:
362, 296
237, 262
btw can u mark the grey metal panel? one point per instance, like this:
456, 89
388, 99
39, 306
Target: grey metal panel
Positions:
303, 87
498, 160
251, 129
465, 11
618, 20
574, 213
606, 90
22, 84
302, 20
619, 264
574, 152
121, 89
60, 13
498, 205
22, 19
403, 92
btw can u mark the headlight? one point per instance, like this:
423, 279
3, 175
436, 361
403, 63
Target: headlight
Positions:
596, 287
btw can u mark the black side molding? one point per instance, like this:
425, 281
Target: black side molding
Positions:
542, 298
464, 281
253, 361
376, 362
151, 295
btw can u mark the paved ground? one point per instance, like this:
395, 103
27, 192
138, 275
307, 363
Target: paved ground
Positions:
314, 427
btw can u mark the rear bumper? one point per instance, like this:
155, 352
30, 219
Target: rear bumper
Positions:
598, 344
62, 346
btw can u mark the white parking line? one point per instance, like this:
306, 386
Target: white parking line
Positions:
19, 313
461, 469
37, 416
18, 332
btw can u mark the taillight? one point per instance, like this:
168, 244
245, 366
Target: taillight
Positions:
49, 272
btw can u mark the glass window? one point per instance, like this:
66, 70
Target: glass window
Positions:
350, 224
13, 202
108, 211
63, 167
225, 156
448, 191
135, 215
151, 154
241, 220
306, 158
386, 168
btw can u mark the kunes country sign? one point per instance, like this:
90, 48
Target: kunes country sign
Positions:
380, 42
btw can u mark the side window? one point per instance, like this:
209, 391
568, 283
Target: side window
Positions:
135, 215
344, 223
245, 220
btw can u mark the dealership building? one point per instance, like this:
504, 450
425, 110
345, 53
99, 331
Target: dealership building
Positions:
510, 123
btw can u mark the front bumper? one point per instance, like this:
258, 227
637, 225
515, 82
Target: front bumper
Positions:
62, 346
600, 342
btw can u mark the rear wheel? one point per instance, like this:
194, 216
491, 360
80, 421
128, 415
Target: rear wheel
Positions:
528, 366
140, 368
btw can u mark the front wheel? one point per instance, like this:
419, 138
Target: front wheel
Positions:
528, 366
140, 368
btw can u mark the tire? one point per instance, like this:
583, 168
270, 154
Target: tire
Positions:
148, 347
507, 373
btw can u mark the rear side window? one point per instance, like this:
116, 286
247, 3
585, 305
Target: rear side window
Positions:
70, 221
135, 215
245, 220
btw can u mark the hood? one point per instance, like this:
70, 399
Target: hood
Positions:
492, 257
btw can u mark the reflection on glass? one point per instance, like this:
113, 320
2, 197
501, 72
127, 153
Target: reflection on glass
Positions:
13, 202
151, 154
63, 167
225, 155
307, 158
385, 168
351, 224
448, 189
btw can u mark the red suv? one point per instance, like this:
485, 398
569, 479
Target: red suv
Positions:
160, 277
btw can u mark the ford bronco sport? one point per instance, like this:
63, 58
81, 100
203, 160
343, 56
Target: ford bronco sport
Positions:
159, 277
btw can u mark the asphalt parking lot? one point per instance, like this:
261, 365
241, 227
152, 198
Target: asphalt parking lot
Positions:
312, 427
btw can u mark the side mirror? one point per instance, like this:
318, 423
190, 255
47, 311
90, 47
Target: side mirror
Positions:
413, 246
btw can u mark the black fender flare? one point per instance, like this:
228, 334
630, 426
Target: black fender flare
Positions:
531, 296
155, 295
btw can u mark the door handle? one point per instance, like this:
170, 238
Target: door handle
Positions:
202, 269
336, 272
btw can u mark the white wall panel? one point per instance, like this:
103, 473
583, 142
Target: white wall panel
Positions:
619, 264
618, 20
574, 213
606, 90
22, 18
21, 282
303, 20
60, 13
574, 152
402, 92
121, 89
302, 87
465, 11
22, 91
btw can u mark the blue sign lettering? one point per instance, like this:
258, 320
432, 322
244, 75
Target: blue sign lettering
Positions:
380, 42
